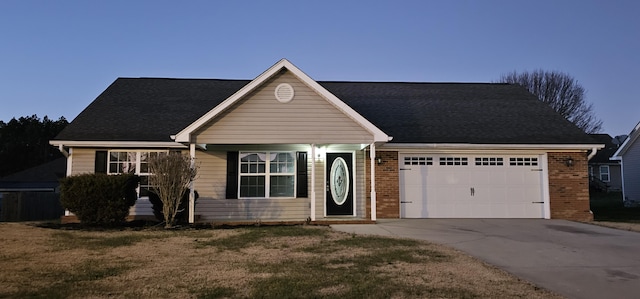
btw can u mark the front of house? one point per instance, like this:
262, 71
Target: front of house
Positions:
628, 155
283, 147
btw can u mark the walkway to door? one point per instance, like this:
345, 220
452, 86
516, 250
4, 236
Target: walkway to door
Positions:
573, 259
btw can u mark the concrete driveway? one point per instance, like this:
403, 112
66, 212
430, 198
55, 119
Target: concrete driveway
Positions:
573, 259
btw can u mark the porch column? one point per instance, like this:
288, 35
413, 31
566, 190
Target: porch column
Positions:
313, 182
192, 199
372, 164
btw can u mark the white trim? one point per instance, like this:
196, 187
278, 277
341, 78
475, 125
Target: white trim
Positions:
473, 147
268, 174
353, 178
118, 144
185, 134
635, 133
600, 167
546, 197
624, 195
313, 182
372, 164
70, 163
192, 196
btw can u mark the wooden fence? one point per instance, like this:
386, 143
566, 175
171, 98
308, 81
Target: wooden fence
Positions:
30, 206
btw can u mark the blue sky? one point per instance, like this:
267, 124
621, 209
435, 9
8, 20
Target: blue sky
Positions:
57, 56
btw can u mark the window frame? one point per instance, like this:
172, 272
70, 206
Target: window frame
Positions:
137, 167
607, 173
268, 174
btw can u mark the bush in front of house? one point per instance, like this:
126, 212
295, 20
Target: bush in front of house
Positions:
182, 217
99, 198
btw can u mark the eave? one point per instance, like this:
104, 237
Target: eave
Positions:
118, 144
470, 146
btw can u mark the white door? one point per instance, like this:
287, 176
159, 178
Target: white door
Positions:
470, 186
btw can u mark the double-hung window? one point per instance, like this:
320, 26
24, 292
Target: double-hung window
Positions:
267, 174
604, 173
134, 162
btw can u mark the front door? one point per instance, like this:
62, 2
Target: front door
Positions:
339, 172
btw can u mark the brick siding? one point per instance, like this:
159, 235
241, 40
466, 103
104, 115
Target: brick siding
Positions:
569, 187
387, 186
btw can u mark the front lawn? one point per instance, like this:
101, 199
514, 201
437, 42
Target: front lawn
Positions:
246, 262
608, 206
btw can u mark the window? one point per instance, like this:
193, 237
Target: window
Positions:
523, 161
491, 161
453, 161
135, 162
418, 161
604, 173
267, 174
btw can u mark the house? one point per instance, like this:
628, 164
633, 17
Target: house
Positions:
629, 156
33, 193
284, 147
604, 173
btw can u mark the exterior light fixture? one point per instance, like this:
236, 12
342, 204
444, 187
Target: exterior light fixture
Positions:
568, 162
379, 160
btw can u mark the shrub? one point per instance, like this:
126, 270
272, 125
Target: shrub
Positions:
182, 217
99, 198
171, 176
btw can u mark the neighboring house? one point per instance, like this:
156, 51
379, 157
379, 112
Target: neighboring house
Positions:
604, 173
629, 156
32, 194
283, 147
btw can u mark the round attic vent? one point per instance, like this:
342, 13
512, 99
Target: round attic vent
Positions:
284, 93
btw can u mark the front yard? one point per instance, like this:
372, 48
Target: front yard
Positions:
245, 262
608, 210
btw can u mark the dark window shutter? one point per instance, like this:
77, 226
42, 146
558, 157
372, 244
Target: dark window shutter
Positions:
101, 162
301, 175
232, 175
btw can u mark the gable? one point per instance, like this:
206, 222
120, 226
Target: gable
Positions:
628, 143
259, 118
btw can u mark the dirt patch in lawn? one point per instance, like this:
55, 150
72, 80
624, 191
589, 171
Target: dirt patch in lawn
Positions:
247, 262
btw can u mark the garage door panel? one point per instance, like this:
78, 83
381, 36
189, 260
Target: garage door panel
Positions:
497, 187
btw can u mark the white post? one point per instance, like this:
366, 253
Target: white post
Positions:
372, 162
544, 163
313, 182
192, 197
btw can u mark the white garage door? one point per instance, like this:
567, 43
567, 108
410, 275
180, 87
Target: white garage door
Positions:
470, 186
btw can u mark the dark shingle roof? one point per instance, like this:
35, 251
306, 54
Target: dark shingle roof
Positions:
603, 155
46, 175
148, 109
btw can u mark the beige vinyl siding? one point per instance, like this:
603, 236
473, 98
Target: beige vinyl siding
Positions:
213, 206
142, 207
211, 179
261, 119
82, 160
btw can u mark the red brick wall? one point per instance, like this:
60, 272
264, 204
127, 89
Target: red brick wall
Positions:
569, 187
387, 189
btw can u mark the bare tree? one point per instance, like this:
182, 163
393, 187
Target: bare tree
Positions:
562, 92
171, 177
